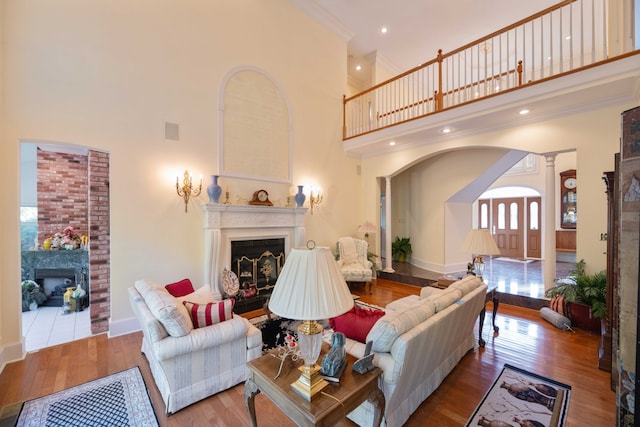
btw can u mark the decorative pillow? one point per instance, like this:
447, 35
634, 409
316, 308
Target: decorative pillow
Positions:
558, 305
202, 295
466, 284
210, 313
356, 323
165, 308
181, 288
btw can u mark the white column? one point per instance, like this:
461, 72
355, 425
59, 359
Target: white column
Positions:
388, 261
549, 271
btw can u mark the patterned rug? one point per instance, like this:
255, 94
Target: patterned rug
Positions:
521, 398
117, 400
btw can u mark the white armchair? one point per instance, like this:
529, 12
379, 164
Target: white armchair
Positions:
353, 261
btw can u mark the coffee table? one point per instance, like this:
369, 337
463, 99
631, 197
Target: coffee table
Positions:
328, 408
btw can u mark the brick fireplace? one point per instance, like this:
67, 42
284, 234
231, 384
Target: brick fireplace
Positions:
229, 224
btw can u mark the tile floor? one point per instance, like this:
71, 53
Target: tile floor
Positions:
48, 326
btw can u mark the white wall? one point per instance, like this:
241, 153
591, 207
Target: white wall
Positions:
107, 75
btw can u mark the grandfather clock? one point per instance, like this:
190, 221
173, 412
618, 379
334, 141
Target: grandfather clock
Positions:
568, 199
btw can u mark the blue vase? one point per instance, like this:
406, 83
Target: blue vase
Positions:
300, 197
214, 190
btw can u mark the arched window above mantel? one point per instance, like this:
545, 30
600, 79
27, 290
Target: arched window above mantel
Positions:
255, 127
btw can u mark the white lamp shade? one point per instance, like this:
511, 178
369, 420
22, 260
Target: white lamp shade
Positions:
310, 287
480, 242
367, 227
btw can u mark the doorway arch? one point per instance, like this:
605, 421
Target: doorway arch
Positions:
90, 177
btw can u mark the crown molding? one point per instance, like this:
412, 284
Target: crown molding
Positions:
317, 12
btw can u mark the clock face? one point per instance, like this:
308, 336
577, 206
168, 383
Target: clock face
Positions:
570, 183
262, 195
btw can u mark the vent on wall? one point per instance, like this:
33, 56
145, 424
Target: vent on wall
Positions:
171, 131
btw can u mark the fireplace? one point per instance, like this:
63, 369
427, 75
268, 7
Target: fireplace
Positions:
257, 264
55, 271
227, 225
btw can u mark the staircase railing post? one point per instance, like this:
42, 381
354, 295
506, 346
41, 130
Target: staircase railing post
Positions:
344, 117
438, 95
519, 69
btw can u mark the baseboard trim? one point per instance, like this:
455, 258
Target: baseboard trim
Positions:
123, 327
11, 353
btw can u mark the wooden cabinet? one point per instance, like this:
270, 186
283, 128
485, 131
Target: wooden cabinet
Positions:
568, 199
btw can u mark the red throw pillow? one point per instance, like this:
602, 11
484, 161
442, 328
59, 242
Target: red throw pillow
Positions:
181, 288
356, 323
211, 313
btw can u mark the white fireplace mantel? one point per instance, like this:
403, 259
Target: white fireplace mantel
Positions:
227, 223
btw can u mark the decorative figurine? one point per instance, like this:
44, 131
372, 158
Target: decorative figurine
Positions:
335, 360
365, 364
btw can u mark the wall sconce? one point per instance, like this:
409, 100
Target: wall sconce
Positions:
315, 198
187, 191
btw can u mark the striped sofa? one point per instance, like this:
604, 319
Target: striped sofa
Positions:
417, 343
194, 366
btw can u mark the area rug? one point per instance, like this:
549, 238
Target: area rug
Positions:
117, 400
521, 398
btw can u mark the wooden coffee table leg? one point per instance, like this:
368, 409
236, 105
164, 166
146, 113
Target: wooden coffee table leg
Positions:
250, 391
377, 399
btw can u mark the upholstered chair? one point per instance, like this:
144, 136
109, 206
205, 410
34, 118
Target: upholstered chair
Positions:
353, 261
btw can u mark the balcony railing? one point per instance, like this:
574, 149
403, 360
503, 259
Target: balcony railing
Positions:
565, 38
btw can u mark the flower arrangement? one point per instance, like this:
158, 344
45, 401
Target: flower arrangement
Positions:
66, 239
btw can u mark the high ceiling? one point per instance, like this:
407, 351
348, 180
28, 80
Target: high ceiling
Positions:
418, 28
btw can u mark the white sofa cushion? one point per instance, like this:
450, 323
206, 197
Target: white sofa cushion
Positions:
466, 284
390, 326
172, 314
403, 303
429, 291
202, 295
445, 298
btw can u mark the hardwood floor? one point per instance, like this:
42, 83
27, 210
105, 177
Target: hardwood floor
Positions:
525, 340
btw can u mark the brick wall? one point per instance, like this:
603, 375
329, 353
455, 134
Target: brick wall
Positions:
73, 190
62, 193
99, 255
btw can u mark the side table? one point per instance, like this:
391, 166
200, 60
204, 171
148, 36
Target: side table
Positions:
492, 295
331, 406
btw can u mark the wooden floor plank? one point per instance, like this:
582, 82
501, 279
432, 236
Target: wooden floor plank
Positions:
524, 340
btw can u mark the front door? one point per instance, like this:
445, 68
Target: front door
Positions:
534, 235
507, 226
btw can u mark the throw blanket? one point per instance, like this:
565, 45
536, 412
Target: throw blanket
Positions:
349, 253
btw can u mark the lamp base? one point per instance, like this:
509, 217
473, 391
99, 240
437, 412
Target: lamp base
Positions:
310, 382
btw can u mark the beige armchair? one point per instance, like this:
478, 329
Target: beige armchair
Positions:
353, 261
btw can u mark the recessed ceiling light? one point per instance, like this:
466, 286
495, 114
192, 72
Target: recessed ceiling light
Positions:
523, 112
384, 30
568, 38
549, 58
446, 130
392, 143
358, 67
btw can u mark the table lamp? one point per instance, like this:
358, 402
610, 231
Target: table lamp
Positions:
310, 287
479, 242
367, 228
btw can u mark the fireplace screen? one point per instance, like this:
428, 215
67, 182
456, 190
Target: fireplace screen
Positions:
257, 263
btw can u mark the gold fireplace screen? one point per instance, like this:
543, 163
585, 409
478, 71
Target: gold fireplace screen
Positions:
258, 274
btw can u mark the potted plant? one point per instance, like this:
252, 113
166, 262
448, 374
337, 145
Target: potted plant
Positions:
32, 295
401, 249
585, 295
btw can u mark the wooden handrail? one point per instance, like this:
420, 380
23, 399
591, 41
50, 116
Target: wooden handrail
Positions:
402, 94
511, 27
